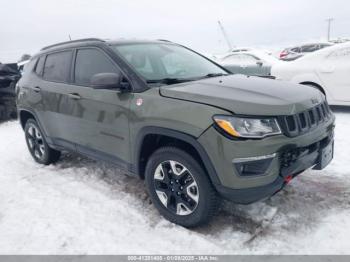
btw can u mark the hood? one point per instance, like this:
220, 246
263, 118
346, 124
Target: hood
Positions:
247, 95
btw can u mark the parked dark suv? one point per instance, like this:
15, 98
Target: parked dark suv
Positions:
163, 112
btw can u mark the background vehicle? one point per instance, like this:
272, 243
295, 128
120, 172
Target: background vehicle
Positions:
164, 113
9, 76
255, 62
293, 53
327, 70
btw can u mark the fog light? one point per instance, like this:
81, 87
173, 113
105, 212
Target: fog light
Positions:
253, 166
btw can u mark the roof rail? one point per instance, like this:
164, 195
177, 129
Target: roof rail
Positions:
164, 40
72, 41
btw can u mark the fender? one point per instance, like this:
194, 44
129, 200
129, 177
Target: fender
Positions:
19, 110
148, 130
312, 78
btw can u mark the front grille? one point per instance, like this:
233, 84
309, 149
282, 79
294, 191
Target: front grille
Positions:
301, 123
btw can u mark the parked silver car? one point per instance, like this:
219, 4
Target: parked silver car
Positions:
295, 52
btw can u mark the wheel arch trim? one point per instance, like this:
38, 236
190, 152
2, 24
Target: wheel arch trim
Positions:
153, 130
35, 116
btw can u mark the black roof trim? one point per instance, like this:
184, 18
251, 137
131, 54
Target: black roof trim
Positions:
72, 41
164, 40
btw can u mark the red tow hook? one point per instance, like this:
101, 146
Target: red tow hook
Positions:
288, 178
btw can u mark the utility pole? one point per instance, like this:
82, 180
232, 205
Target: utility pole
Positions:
329, 21
225, 36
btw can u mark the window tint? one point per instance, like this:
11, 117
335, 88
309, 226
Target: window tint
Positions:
234, 59
90, 62
40, 66
57, 66
309, 48
296, 50
248, 59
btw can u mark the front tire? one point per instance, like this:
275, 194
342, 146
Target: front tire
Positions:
179, 187
37, 145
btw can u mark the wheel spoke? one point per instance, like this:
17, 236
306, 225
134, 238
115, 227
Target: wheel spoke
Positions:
159, 173
177, 169
192, 191
182, 209
42, 149
30, 142
37, 152
31, 131
163, 197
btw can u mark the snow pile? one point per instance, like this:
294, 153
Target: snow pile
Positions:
80, 206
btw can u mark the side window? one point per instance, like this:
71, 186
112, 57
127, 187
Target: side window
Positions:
57, 66
296, 50
40, 66
234, 59
248, 59
90, 62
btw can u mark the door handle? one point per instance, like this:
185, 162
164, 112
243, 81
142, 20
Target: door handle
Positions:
74, 96
37, 89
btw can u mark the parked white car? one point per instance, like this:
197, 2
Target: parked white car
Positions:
327, 69
254, 62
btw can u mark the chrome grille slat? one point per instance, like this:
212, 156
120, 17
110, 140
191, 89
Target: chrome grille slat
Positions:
301, 123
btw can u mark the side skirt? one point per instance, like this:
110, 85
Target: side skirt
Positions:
62, 144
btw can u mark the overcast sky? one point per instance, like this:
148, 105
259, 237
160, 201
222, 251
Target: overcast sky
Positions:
28, 25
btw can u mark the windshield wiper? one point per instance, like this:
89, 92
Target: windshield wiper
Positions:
168, 81
215, 74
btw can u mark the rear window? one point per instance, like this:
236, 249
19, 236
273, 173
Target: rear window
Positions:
40, 66
57, 66
309, 48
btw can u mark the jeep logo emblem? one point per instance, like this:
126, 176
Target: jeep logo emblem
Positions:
314, 101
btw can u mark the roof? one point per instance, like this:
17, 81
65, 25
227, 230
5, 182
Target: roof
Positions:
94, 40
88, 41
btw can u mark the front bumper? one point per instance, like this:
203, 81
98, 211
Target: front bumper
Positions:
310, 156
292, 156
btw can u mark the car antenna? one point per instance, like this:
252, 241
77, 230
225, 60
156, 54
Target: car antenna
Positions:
70, 39
225, 35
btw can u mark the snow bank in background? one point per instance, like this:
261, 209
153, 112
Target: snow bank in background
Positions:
80, 206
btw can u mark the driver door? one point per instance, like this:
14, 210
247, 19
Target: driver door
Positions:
98, 118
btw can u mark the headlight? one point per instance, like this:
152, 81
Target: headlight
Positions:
248, 127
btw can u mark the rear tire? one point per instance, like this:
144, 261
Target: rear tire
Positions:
37, 145
179, 187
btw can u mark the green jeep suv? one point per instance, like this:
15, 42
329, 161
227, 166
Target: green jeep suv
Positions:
162, 112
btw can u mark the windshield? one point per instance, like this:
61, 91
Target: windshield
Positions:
157, 62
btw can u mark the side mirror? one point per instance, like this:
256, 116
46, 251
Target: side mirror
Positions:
106, 81
259, 63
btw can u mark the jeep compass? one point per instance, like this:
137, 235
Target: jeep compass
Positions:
162, 112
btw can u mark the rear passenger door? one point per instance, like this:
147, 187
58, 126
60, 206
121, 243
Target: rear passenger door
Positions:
99, 117
54, 87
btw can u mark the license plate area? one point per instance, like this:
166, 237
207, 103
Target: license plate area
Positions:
325, 156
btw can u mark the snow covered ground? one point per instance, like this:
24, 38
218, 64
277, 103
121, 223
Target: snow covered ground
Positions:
80, 206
